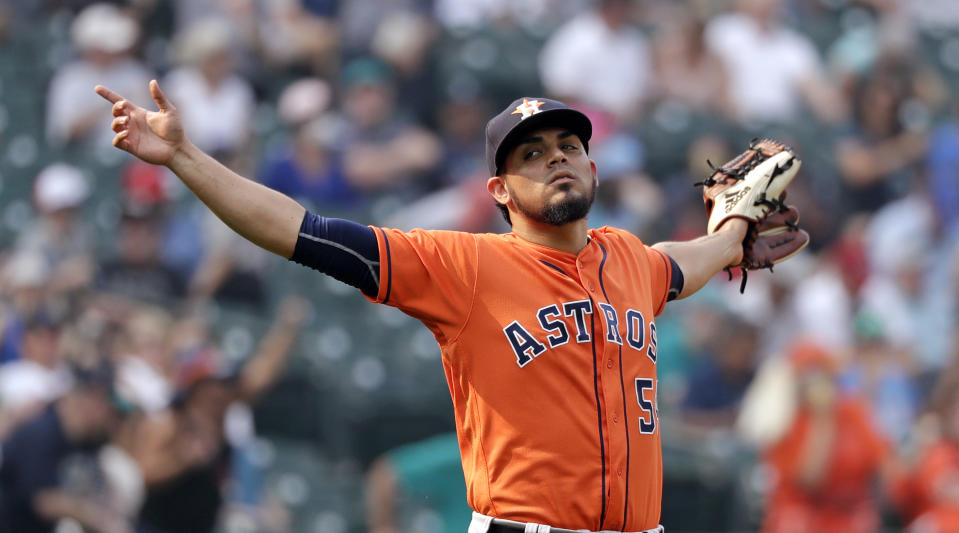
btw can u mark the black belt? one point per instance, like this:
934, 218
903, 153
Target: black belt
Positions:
505, 527
500, 526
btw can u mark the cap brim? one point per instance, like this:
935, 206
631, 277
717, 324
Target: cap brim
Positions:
573, 120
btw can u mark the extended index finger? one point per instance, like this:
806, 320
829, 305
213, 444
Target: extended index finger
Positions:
107, 94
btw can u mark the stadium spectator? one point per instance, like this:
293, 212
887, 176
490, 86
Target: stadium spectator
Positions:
242, 17
883, 376
60, 236
934, 494
137, 271
294, 39
464, 148
231, 271
877, 158
407, 43
775, 299
38, 377
825, 463
104, 37
148, 189
218, 104
719, 379
910, 289
685, 70
144, 360
25, 277
824, 305
360, 19
461, 202
186, 452
387, 152
786, 61
942, 163
627, 197
607, 69
308, 163
194, 246
49, 471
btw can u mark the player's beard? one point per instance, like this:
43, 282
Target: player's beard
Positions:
569, 209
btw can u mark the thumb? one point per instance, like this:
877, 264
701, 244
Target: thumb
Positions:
162, 103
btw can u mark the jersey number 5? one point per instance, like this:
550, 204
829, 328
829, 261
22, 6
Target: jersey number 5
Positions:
647, 422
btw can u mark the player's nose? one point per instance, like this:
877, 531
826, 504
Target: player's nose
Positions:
556, 155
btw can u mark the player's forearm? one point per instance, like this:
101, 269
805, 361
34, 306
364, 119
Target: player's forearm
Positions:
701, 259
263, 216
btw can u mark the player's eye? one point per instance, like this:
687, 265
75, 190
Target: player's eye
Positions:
530, 154
571, 147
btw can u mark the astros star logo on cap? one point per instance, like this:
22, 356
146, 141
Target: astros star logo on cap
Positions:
528, 108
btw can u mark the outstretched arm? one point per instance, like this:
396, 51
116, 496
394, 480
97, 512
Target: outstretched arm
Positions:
263, 216
701, 259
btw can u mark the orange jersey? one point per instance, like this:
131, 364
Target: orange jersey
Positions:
550, 359
843, 503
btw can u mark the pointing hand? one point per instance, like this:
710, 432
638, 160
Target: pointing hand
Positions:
153, 136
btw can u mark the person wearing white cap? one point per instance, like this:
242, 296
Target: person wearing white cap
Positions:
59, 236
104, 37
218, 103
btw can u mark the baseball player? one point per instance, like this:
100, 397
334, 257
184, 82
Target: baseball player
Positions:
547, 333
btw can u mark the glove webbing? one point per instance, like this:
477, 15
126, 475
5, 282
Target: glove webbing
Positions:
732, 169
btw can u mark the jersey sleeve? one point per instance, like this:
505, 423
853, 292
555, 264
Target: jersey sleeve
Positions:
429, 275
660, 277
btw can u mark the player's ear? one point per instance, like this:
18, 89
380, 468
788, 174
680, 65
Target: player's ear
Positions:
497, 189
592, 166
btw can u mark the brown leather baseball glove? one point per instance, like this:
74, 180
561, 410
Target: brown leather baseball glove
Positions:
752, 186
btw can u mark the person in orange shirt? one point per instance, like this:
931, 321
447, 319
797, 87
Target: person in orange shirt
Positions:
826, 462
547, 333
935, 481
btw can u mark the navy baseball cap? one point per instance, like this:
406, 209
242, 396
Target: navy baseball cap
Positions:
526, 114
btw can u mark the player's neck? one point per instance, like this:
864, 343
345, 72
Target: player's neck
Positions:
569, 237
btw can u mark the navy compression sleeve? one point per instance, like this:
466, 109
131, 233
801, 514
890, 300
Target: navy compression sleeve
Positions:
341, 249
676, 281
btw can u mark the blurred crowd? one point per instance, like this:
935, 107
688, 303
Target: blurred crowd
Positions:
831, 383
